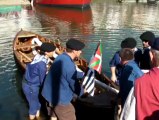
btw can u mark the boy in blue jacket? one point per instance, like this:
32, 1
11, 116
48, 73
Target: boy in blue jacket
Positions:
34, 76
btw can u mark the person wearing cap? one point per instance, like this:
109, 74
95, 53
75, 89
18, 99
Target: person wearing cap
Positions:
62, 81
146, 89
115, 65
147, 38
34, 77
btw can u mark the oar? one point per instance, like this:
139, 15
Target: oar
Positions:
29, 59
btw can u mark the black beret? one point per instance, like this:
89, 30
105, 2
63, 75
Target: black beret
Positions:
155, 44
128, 43
47, 47
74, 44
147, 36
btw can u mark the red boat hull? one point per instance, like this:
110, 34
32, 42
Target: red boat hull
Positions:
67, 3
70, 18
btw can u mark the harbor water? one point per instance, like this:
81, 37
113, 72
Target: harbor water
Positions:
105, 20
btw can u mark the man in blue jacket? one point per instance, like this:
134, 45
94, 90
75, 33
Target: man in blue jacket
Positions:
62, 81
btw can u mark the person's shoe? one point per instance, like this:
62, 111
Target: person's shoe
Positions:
53, 118
31, 117
37, 113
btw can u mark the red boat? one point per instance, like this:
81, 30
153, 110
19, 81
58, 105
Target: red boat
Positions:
70, 18
65, 3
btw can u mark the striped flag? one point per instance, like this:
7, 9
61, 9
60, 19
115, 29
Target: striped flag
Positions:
95, 64
89, 82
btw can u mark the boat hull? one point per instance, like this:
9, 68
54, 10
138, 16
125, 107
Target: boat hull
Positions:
68, 17
65, 3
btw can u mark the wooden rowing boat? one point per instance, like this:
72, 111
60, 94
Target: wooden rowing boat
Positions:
23, 47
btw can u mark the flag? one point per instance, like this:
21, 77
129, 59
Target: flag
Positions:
89, 82
95, 64
96, 61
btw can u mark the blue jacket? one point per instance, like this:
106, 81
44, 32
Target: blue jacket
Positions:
115, 61
62, 81
36, 71
130, 72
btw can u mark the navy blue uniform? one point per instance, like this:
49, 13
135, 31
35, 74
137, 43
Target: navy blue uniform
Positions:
130, 72
33, 80
145, 60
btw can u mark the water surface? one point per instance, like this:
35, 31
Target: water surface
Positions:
106, 20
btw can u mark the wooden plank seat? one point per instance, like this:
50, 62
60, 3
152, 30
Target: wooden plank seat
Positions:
25, 60
25, 47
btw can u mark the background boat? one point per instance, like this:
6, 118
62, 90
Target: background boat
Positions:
65, 3
68, 18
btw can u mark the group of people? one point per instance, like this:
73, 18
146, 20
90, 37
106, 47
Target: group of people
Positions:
136, 72
132, 69
58, 85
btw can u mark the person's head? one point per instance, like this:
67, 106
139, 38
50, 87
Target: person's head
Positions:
126, 54
129, 43
155, 53
147, 38
47, 49
74, 47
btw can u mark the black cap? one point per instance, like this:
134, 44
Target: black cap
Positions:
47, 47
155, 44
74, 44
147, 36
128, 43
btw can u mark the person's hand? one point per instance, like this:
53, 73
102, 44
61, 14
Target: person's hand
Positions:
114, 78
85, 94
85, 91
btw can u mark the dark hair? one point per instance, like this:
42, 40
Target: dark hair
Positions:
42, 53
126, 54
68, 50
147, 36
37, 48
128, 43
145, 40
